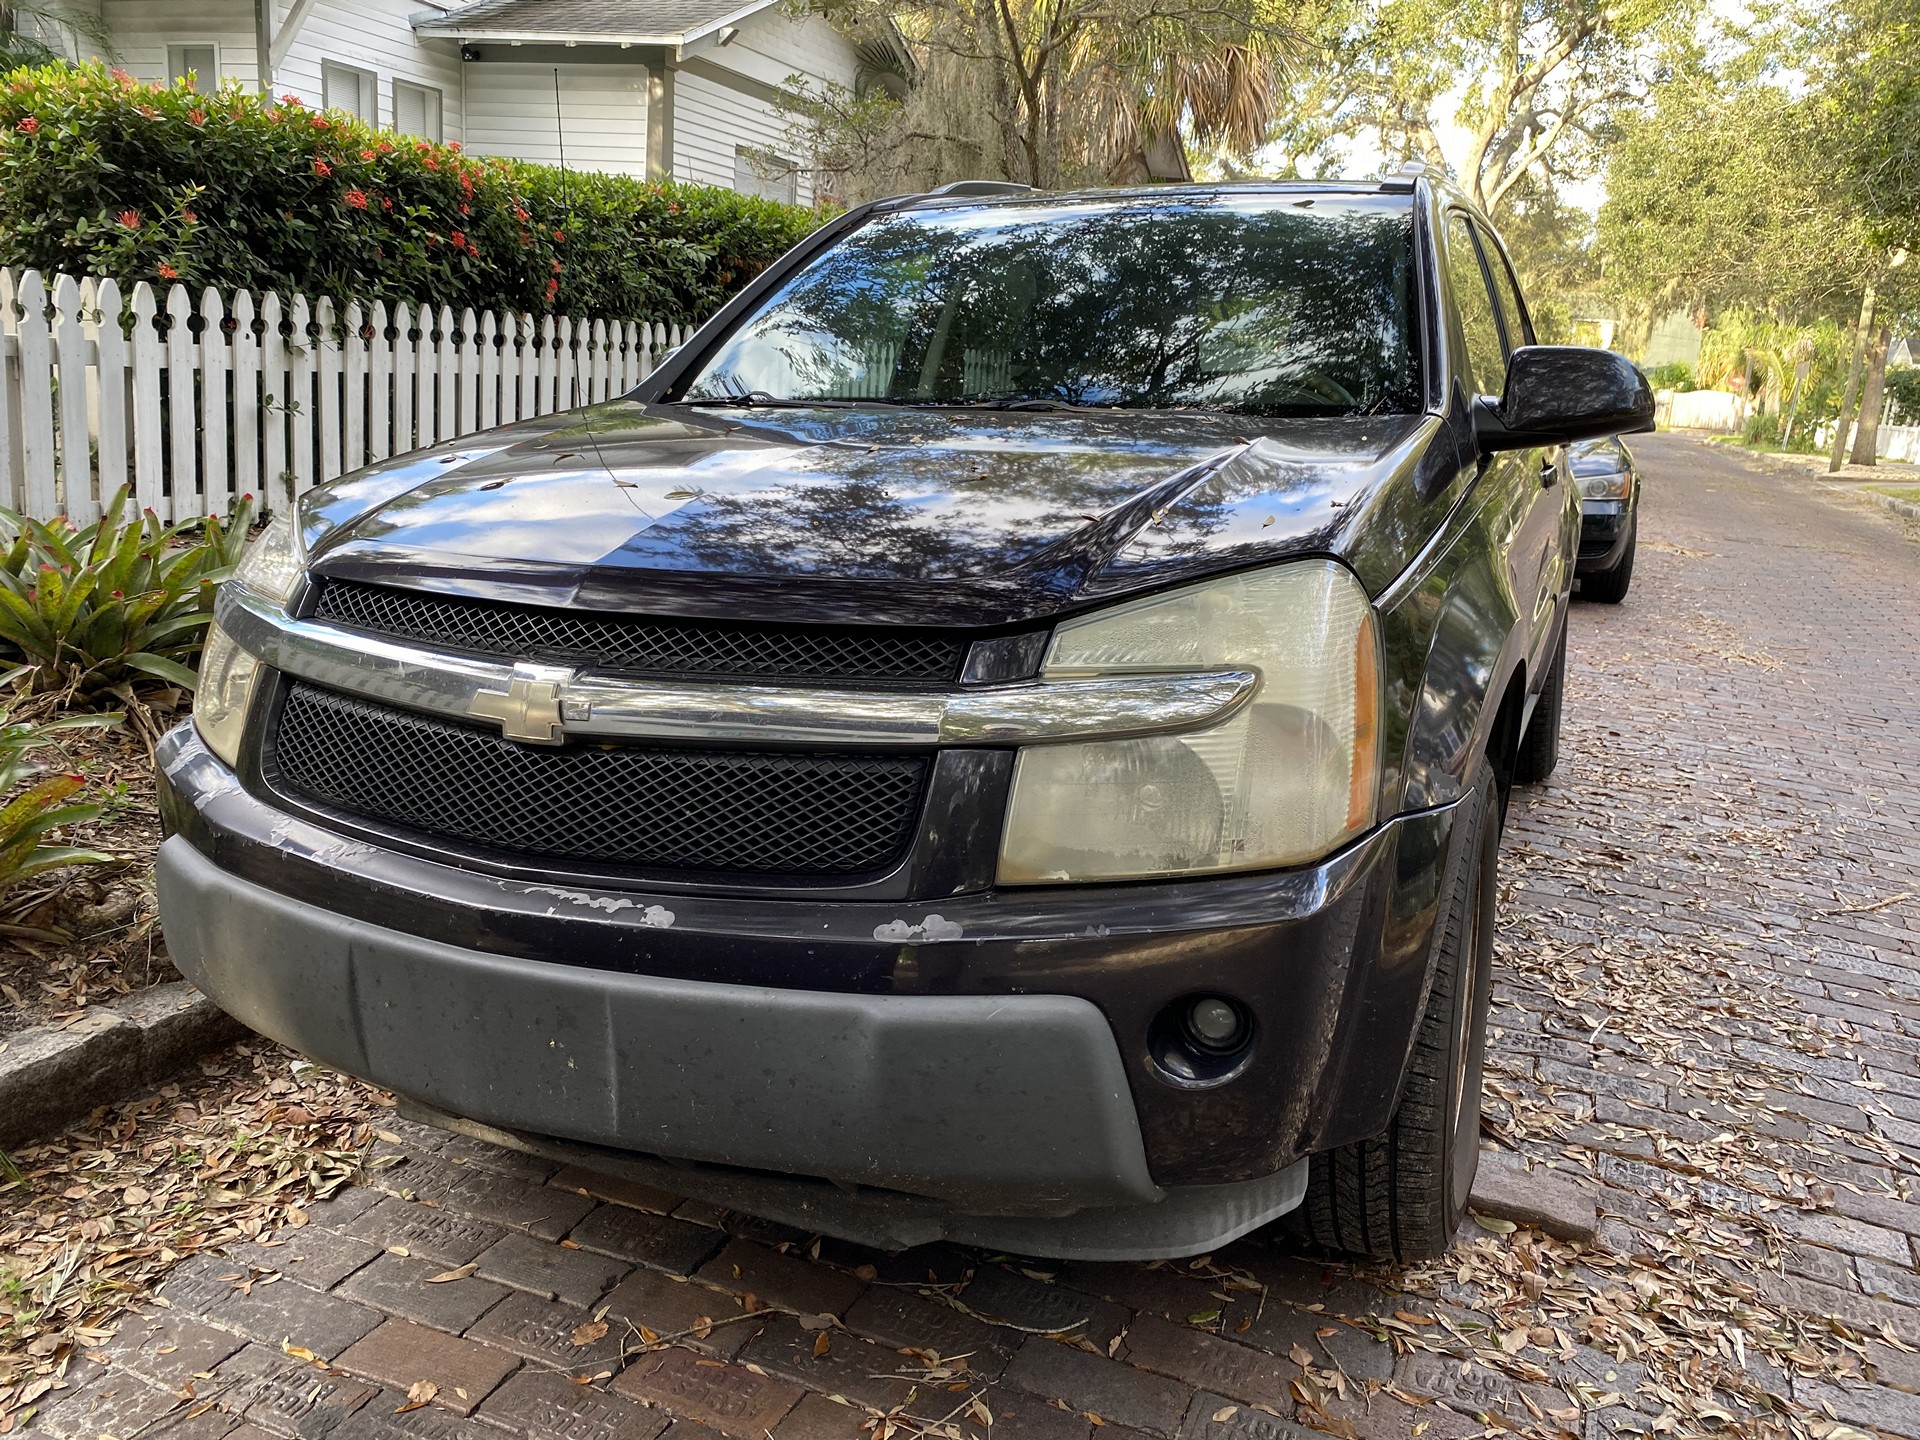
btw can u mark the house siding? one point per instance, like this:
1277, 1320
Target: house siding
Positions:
509, 108
141, 32
511, 112
375, 35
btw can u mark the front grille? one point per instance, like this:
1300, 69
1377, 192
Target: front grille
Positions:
642, 644
691, 810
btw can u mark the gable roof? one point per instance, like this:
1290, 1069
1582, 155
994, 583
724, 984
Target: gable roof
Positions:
606, 22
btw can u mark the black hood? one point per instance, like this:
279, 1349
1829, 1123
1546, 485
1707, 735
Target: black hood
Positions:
876, 515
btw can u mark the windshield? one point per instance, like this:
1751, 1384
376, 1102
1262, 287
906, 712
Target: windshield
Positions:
1255, 304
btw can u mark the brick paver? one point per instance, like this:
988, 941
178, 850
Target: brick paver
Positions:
1707, 1022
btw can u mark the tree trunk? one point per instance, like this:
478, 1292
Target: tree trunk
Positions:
1867, 302
1873, 397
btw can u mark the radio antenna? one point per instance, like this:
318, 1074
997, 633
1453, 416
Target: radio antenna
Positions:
566, 200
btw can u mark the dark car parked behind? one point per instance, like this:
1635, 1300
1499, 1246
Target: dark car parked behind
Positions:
1609, 484
1004, 737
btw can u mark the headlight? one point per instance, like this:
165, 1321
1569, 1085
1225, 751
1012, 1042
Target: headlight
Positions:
1290, 777
220, 699
271, 567
1604, 484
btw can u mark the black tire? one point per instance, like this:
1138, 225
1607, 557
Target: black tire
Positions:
1539, 748
1609, 586
1401, 1195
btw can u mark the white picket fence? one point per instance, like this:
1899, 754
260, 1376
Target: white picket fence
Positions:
194, 403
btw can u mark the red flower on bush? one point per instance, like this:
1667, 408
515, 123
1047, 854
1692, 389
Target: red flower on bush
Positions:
521, 215
559, 237
293, 100
465, 209
322, 169
356, 199
673, 207
458, 239
430, 162
320, 122
196, 117
553, 289
454, 145
28, 126
556, 266
385, 147
122, 76
386, 204
128, 219
167, 272
366, 154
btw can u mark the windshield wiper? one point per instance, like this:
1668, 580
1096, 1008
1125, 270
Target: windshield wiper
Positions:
760, 400
1018, 402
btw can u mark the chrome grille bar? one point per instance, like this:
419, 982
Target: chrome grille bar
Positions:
546, 704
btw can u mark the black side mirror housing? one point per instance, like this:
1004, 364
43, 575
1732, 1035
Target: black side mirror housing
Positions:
1560, 393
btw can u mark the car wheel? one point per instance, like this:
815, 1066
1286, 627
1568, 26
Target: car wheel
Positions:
1540, 747
1609, 587
1400, 1196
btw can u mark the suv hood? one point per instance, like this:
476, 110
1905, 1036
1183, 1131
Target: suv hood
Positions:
881, 516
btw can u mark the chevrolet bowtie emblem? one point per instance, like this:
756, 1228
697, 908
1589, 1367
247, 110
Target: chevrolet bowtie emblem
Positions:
532, 706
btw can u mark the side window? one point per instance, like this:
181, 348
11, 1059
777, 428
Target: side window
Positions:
1517, 328
200, 62
1485, 367
342, 87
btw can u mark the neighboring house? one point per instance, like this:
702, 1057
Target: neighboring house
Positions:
680, 88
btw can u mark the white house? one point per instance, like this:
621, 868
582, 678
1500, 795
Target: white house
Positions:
656, 88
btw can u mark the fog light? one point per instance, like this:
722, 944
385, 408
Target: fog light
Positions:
1215, 1024
1201, 1040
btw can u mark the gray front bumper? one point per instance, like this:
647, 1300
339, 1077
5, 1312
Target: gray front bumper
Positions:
1003, 1120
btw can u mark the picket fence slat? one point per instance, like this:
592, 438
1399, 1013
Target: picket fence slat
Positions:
194, 400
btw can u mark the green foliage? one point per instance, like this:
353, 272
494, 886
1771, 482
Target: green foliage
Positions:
87, 611
35, 800
1674, 375
100, 174
1762, 430
1903, 384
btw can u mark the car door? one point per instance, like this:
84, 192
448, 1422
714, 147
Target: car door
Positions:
1520, 521
1553, 526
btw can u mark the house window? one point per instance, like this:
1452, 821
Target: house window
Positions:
199, 63
763, 173
416, 110
355, 91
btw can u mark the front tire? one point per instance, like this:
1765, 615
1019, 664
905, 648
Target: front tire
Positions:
1400, 1196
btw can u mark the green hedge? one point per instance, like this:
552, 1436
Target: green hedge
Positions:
101, 174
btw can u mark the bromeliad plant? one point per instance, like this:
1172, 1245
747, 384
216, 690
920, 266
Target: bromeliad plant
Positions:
88, 611
36, 800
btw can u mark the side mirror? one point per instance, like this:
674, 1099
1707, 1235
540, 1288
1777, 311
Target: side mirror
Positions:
1560, 393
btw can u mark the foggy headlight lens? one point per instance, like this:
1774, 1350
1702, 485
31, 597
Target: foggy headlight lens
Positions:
1292, 776
220, 700
271, 566
1605, 485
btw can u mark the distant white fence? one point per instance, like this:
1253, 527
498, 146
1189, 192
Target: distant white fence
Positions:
1718, 410
1892, 442
196, 403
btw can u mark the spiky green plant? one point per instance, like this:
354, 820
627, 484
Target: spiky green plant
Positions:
36, 800
88, 610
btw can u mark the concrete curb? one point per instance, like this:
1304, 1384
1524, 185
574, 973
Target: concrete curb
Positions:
1549, 1200
51, 1075
1887, 502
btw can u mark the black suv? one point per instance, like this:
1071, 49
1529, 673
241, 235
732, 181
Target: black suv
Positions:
1004, 736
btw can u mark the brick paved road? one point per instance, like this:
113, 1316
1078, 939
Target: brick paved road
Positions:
1709, 1016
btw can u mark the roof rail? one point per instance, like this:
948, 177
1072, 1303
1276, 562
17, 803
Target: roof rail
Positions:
983, 187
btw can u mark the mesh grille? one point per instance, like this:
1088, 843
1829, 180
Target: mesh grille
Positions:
765, 813
645, 645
